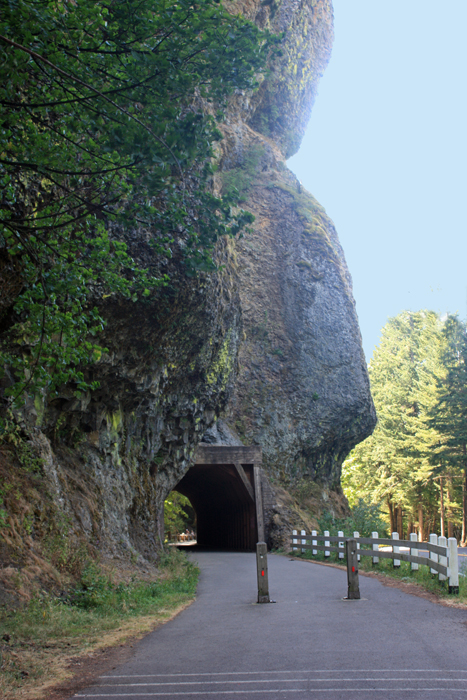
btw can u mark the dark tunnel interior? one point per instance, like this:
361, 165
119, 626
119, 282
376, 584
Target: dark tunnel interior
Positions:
225, 512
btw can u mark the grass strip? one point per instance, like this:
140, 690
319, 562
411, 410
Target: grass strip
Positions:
38, 640
422, 577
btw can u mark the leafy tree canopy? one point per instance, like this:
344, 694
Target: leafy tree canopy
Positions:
178, 514
106, 127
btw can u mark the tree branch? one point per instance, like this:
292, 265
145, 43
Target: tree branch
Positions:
144, 126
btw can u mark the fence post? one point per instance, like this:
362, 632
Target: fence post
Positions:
375, 547
294, 541
303, 532
341, 544
413, 552
262, 572
314, 542
356, 535
433, 556
396, 562
453, 566
353, 589
442, 541
327, 553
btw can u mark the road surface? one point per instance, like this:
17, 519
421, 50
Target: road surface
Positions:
309, 644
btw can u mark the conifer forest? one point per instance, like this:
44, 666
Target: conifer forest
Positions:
414, 465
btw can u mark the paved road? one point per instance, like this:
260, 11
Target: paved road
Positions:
310, 644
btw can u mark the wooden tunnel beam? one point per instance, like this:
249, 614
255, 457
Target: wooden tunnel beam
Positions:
224, 454
238, 457
244, 478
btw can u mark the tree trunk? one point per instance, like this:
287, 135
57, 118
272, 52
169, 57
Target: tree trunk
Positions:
396, 518
420, 522
449, 507
391, 515
430, 525
441, 504
400, 525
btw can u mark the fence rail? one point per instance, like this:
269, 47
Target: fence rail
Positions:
442, 554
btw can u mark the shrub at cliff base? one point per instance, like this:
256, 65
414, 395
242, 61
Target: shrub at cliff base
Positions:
364, 518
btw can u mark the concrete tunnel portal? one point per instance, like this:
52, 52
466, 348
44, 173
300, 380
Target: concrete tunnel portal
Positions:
224, 488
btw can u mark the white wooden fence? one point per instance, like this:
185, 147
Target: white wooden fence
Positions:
442, 556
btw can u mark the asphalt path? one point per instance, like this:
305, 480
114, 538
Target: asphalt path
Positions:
310, 644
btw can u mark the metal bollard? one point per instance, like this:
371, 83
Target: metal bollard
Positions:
353, 589
262, 572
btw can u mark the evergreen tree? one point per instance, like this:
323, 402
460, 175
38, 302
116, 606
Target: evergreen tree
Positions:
449, 415
394, 466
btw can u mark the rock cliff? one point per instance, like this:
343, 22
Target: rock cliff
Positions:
302, 391
271, 340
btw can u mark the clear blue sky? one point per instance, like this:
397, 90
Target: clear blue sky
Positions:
386, 154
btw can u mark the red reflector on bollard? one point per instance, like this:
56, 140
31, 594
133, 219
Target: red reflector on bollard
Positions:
353, 569
262, 572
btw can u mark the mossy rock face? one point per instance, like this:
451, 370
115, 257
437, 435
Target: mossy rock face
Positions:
271, 339
281, 108
302, 391
112, 456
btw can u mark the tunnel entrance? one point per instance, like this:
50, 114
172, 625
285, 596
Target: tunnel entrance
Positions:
224, 489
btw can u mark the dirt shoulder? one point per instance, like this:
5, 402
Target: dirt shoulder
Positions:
85, 670
67, 672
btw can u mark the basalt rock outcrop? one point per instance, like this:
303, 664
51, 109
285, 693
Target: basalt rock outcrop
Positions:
302, 390
270, 341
